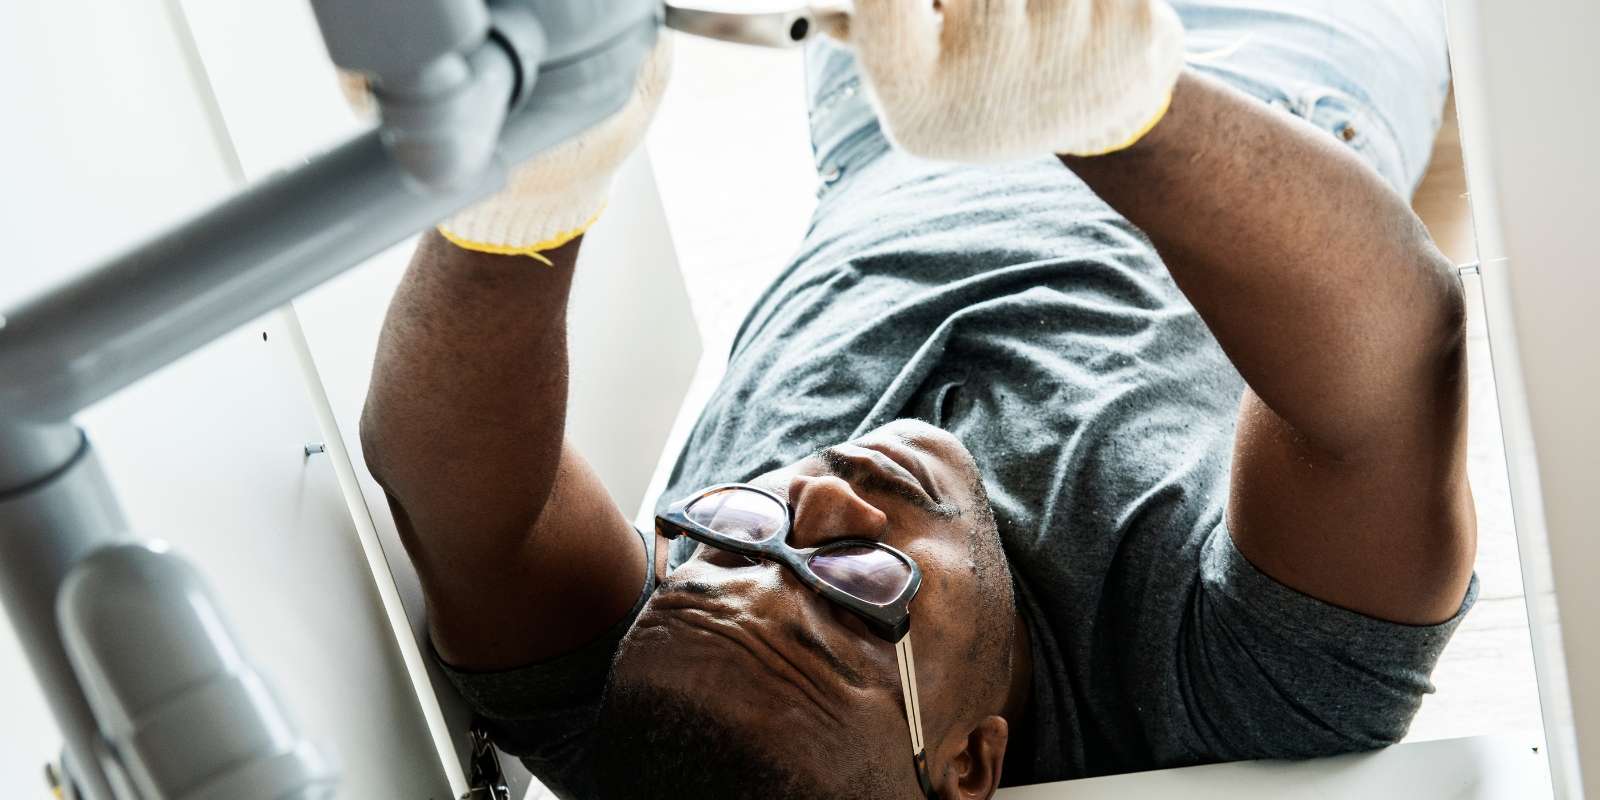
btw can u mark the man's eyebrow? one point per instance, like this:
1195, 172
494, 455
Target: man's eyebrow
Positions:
809, 639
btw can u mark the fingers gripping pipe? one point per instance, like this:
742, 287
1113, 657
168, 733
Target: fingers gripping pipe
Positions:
444, 73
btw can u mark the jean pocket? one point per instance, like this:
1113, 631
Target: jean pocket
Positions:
1350, 122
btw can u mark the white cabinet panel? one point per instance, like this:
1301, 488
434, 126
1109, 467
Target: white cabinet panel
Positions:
1525, 75
209, 455
111, 139
1476, 768
103, 144
103, 139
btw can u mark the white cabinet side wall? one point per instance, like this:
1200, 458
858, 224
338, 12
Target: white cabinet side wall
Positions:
1526, 73
208, 453
101, 151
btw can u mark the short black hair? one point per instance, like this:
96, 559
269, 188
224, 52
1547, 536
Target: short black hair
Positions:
658, 743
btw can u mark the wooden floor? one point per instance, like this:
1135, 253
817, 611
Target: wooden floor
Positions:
733, 162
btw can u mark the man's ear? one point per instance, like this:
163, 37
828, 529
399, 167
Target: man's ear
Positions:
973, 773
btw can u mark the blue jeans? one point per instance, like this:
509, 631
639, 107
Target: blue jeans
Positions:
1373, 73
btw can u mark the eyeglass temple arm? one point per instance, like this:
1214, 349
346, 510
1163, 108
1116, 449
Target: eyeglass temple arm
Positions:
908, 689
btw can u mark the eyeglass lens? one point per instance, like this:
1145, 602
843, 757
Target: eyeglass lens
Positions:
867, 573
739, 514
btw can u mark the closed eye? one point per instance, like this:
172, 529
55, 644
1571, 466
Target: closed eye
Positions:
722, 558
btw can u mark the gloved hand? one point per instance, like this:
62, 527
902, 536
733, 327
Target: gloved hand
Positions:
556, 196
1004, 79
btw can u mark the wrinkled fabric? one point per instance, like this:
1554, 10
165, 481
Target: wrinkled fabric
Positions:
1011, 306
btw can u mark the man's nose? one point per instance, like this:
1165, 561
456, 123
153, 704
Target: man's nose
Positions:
826, 508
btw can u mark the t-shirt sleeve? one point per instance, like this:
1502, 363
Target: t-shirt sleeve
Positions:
1264, 671
545, 713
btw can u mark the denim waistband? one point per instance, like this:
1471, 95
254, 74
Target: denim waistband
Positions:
845, 133
1373, 74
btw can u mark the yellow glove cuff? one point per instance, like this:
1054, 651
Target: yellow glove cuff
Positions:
1161, 113
559, 194
534, 251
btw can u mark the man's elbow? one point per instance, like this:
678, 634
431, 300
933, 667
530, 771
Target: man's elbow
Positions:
376, 437
1443, 345
1452, 297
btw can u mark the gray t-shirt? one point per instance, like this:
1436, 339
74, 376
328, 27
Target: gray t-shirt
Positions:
1013, 307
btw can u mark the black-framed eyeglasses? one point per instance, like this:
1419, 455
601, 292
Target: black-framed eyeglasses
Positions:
869, 579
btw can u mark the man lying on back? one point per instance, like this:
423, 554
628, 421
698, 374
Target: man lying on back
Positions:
1154, 448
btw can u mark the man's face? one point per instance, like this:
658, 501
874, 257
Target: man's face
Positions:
805, 676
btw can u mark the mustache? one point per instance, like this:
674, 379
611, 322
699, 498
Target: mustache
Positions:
801, 634
693, 588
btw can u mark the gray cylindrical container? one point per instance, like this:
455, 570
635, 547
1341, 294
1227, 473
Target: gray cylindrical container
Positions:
183, 715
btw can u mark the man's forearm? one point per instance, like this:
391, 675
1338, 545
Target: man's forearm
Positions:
1316, 278
510, 530
471, 377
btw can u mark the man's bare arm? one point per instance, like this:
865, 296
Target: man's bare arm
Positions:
522, 553
1349, 478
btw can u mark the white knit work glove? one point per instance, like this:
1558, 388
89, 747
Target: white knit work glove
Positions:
557, 195
994, 80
